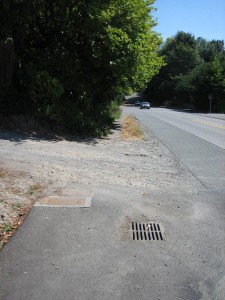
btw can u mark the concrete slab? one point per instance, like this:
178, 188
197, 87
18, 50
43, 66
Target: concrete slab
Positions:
65, 201
67, 197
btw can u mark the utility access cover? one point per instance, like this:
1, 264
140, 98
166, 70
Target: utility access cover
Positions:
67, 197
65, 201
146, 231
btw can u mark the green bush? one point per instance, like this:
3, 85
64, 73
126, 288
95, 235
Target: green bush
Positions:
45, 93
8, 100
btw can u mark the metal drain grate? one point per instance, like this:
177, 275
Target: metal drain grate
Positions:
146, 231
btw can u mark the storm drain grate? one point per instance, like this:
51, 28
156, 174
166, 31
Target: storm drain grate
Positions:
146, 231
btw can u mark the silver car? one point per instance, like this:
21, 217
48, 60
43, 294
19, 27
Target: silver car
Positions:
145, 105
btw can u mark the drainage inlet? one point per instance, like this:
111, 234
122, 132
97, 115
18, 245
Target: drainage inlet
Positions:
146, 231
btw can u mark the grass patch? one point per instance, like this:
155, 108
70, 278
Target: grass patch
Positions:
131, 129
34, 188
7, 228
16, 206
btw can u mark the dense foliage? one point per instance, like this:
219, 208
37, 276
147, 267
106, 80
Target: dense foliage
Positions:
194, 74
78, 57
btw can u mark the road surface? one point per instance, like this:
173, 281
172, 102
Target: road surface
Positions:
197, 140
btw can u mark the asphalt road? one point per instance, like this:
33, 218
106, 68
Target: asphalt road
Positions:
207, 128
197, 140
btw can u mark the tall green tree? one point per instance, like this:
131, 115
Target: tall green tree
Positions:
207, 80
214, 86
209, 49
180, 55
90, 52
194, 70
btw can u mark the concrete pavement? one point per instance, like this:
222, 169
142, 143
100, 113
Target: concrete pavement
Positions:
88, 253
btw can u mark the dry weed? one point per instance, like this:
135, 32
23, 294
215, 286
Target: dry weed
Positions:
34, 188
131, 129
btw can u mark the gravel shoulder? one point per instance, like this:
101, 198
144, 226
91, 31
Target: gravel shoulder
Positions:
31, 168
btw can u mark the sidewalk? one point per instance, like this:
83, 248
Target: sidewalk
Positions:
88, 253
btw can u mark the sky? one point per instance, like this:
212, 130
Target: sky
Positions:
202, 18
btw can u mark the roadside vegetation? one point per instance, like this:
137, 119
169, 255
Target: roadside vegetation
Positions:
74, 60
131, 129
18, 192
193, 76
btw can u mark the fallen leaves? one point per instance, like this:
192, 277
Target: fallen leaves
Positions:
7, 230
18, 192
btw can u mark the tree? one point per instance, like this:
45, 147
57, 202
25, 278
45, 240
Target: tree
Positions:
208, 50
92, 50
204, 80
195, 69
180, 55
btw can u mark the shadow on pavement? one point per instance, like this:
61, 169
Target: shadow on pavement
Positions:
219, 116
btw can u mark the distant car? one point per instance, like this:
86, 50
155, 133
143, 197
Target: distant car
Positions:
137, 103
145, 105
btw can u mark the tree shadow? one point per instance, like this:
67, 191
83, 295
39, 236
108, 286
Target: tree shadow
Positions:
21, 136
184, 110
